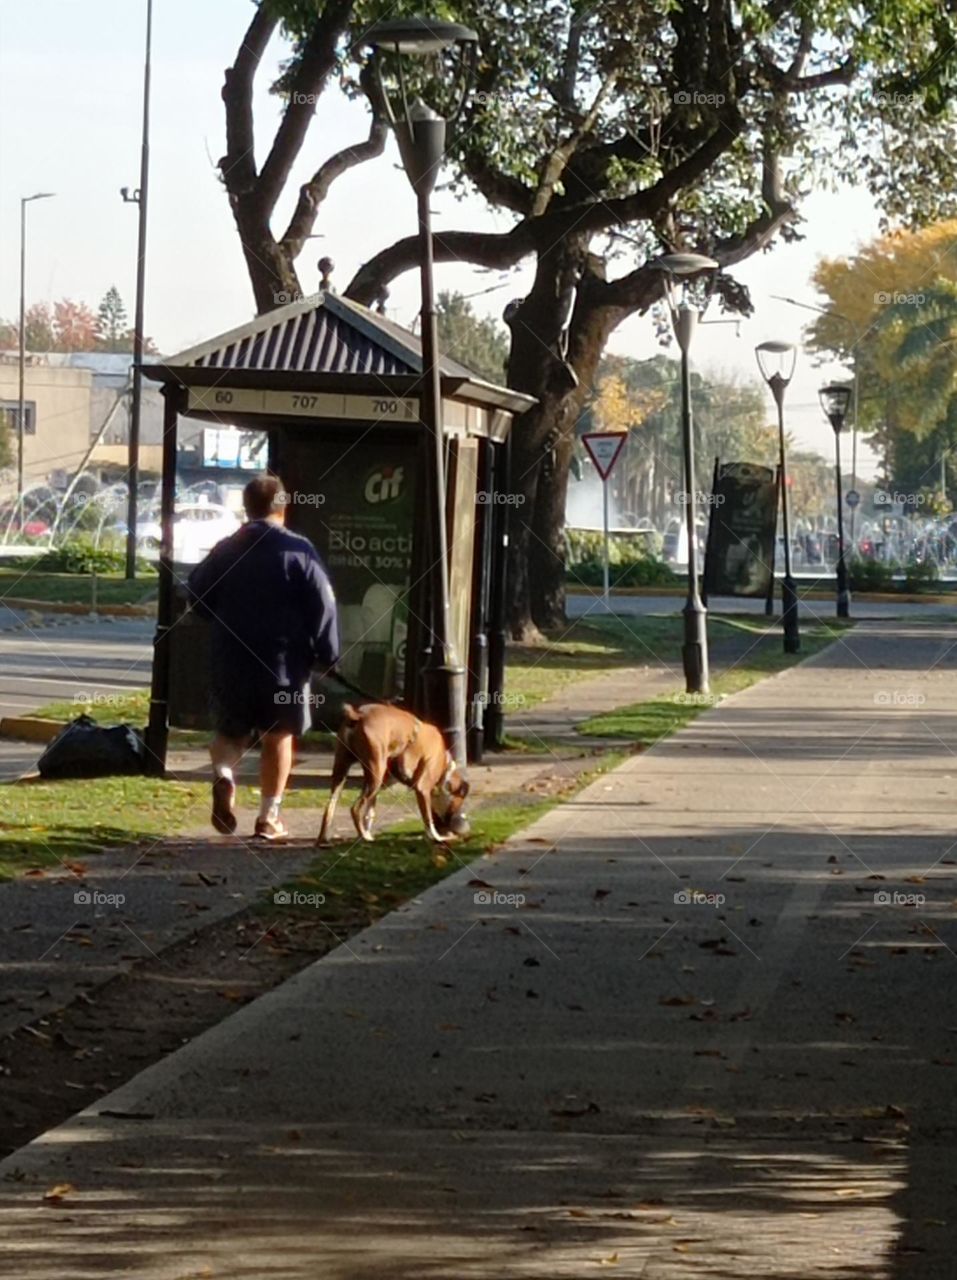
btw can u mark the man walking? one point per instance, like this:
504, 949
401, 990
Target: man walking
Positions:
273, 617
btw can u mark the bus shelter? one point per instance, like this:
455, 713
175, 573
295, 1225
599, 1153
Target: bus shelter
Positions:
326, 394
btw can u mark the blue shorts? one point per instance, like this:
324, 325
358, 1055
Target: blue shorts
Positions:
246, 707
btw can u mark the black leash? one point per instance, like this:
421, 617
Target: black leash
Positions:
336, 675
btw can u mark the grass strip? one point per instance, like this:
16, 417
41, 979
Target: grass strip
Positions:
76, 588
645, 723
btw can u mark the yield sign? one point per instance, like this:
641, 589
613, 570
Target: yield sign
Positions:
603, 449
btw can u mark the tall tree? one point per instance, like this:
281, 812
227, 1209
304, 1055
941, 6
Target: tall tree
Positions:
74, 326
70, 326
608, 132
112, 323
892, 318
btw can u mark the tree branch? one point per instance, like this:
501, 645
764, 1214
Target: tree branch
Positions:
496, 251
313, 192
315, 63
557, 160
648, 203
238, 166
634, 290
789, 82
541, 234
498, 188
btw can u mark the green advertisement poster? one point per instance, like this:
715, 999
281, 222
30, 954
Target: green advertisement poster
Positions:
360, 516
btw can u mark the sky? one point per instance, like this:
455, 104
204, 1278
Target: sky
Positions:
70, 122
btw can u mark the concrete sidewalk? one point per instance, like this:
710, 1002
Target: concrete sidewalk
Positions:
697, 1022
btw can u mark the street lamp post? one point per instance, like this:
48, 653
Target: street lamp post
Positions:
139, 198
835, 398
776, 361
421, 135
855, 366
680, 271
22, 363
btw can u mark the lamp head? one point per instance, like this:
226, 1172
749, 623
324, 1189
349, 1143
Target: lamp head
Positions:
40, 195
418, 37
420, 131
688, 278
835, 401
776, 360
684, 264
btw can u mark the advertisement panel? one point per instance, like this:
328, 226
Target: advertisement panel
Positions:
739, 560
357, 504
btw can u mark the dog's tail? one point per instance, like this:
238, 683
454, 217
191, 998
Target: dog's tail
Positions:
350, 713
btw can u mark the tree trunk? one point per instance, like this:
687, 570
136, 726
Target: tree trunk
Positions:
543, 439
271, 273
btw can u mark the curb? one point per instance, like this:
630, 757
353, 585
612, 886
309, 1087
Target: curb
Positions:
30, 728
866, 597
79, 609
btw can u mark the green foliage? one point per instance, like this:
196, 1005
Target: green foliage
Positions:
632, 561
83, 555
7, 451
919, 575
478, 342
112, 327
881, 111
646, 722
871, 575
892, 317
875, 575
732, 422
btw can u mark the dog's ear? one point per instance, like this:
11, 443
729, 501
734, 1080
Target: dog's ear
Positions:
460, 786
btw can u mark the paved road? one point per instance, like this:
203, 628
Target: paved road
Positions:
46, 659
706, 1028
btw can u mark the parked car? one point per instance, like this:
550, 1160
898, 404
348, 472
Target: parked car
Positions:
29, 526
197, 527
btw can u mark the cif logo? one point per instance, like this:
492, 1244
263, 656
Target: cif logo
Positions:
384, 485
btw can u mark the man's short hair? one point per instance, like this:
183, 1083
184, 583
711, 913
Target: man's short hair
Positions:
263, 497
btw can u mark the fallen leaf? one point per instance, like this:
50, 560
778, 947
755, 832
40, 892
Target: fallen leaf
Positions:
59, 1191
674, 1001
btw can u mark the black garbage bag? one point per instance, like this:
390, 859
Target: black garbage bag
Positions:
86, 749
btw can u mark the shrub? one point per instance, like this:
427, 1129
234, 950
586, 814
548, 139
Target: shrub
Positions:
83, 556
920, 574
871, 575
632, 562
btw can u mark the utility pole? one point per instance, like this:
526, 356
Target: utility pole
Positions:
139, 197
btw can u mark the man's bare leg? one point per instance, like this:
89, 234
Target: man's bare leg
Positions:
225, 754
275, 765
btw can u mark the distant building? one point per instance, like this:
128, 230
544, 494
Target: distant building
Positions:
68, 398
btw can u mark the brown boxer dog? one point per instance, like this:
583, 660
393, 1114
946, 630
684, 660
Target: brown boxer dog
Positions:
387, 741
